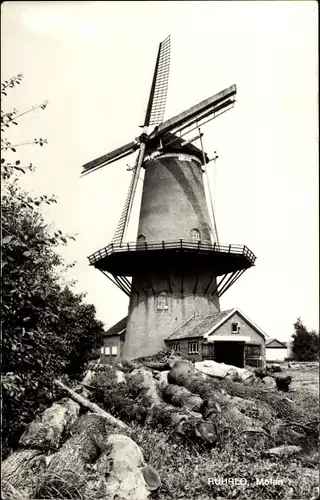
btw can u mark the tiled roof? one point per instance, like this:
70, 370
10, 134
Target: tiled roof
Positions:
197, 326
117, 328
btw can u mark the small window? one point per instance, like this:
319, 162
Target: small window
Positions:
235, 328
105, 350
141, 238
193, 347
176, 347
253, 351
114, 350
162, 301
195, 235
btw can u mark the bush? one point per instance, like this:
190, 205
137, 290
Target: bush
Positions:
47, 329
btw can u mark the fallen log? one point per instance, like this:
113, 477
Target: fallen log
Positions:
20, 473
123, 465
91, 406
70, 464
217, 404
182, 397
183, 373
112, 392
95, 463
23, 468
179, 421
161, 367
47, 431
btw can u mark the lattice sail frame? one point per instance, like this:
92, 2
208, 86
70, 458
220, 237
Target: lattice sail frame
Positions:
119, 232
159, 88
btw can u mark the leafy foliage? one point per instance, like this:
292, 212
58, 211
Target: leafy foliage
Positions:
305, 345
47, 329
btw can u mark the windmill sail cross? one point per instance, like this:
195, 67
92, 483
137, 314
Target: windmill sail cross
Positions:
193, 114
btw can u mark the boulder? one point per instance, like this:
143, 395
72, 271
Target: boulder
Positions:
275, 368
261, 372
269, 382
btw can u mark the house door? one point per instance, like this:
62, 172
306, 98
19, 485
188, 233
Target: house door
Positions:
208, 351
230, 353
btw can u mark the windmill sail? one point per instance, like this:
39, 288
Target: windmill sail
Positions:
119, 232
197, 113
114, 155
155, 112
159, 87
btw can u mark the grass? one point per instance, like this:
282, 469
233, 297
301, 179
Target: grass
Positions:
236, 471
190, 473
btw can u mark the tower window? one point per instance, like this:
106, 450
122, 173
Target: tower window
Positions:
162, 301
195, 235
235, 328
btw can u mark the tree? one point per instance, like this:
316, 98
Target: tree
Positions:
305, 345
47, 329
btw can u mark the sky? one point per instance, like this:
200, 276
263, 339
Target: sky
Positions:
93, 62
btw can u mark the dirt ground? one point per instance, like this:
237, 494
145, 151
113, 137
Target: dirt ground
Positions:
303, 377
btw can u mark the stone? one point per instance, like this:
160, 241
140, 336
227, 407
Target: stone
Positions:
269, 382
275, 368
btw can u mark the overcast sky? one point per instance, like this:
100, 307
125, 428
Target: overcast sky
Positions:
94, 61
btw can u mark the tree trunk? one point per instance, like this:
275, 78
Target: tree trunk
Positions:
179, 421
92, 463
91, 406
183, 373
22, 469
20, 473
47, 431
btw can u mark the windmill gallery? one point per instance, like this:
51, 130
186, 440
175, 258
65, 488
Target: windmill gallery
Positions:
176, 270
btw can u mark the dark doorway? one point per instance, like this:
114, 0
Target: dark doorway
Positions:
230, 353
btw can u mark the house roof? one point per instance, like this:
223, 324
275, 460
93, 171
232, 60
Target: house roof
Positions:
197, 326
118, 328
203, 326
270, 343
231, 312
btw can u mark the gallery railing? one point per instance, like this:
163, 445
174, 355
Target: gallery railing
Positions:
201, 246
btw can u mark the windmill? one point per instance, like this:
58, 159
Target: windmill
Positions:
176, 268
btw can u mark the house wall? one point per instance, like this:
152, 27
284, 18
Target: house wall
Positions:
276, 354
112, 341
245, 329
206, 348
184, 348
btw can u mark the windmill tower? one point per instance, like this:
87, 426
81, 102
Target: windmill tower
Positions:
176, 268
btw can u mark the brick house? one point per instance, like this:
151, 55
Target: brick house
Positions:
227, 336
113, 342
